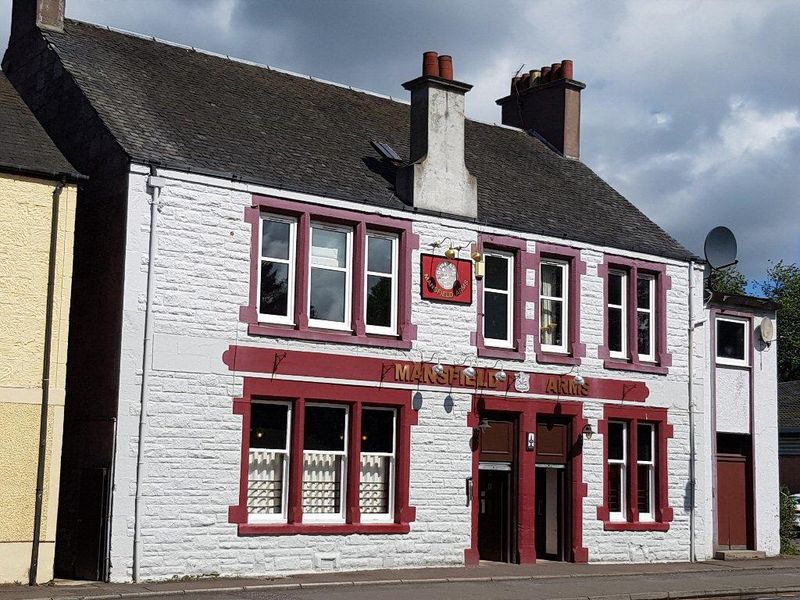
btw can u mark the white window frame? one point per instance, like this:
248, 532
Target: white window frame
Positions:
563, 348
287, 452
291, 262
624, 318
348, 278
648, 516
330, 517
623, 500
389, 516
722, 360
394, 239
508, 342
651, 357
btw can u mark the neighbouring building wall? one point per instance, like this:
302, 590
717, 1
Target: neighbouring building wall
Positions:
192, 439
765, 440
25, 222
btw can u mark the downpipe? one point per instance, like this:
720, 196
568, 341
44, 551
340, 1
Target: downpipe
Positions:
33, 570
692, 428
154, 185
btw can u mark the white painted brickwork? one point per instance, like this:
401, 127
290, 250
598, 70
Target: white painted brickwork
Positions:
193, 440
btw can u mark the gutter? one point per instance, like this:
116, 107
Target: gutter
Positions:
43, 413
154, 185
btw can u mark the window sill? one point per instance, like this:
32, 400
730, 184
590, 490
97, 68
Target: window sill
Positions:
500, 353
553, 358
247, 529
639, 526
616, 364
335, 337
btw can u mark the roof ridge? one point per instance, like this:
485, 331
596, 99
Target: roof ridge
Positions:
237, 59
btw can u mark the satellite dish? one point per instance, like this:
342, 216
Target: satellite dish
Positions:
766, 330
720, 247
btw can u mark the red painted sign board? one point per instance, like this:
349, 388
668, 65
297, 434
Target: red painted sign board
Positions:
446, 279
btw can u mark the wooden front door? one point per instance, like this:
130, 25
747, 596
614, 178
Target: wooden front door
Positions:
494, 512
734, 493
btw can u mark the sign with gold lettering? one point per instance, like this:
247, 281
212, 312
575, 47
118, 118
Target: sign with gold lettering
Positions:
446, 279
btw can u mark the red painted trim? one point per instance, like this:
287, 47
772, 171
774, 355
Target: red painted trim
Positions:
526, 412
355, 396
577, 267
369, 369
663, 513
248, 529
663, 285
360, 222
522, 326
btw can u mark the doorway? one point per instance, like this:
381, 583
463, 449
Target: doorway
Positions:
496, 490
734, 493
551, 527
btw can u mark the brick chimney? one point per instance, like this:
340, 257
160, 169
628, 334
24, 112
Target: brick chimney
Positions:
28, 14
548, 101
437, 178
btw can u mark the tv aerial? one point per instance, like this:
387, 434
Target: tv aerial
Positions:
720, 250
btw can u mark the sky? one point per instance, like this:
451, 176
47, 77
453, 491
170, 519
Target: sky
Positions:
691, 108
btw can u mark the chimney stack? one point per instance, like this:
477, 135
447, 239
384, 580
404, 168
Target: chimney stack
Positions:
29, 14
548, 101
437, 178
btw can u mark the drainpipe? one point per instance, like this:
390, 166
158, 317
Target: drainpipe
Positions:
48, 334
154, 185
692, 446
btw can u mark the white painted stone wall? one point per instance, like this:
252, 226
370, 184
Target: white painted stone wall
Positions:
733, 400
192, 443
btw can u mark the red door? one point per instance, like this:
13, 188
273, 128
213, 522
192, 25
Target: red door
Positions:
732, 499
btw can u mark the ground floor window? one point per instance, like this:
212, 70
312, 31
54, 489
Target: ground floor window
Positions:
338, 463
635, 474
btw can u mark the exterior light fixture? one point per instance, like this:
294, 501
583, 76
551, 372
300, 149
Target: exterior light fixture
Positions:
480, 266
579, 379
438, 368
501, 374
469, 371
484, 424
452, 251
588, 432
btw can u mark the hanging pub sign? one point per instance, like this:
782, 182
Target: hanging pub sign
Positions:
446, 279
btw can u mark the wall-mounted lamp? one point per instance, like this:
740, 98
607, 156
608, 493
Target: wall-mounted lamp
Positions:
588, 432
579, 379
438, 368
501, 374
483, 426
452, 251
480, 266
469, 371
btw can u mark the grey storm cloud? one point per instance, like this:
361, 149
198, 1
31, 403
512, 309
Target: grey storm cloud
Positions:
692, 109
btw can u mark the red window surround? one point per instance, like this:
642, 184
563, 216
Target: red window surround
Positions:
523, 326
663, 284
360, 222
663, 512
577, 267
355, 397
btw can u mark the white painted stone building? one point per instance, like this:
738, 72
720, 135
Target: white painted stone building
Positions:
293, 350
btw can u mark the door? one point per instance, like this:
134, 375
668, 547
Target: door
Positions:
550, 511
734, 493
494, 511
732, 502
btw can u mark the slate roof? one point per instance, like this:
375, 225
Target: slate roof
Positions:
195, 111
24, 145
789, 404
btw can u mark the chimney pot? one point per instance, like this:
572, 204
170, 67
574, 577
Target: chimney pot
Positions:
430, 64
446, 67
566, 69
551, 107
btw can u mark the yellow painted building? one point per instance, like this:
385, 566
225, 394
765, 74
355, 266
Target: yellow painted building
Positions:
33, 177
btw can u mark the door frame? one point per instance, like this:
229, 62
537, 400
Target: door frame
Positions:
525, 411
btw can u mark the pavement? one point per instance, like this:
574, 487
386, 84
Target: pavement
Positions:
765, 578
